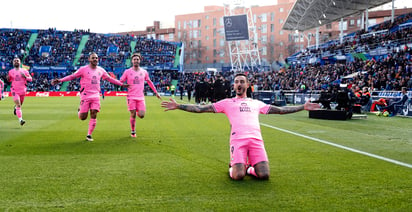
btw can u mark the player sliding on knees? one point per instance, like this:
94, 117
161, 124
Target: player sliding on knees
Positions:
90, 76
247, 151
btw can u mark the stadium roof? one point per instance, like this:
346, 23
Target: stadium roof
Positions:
308, 14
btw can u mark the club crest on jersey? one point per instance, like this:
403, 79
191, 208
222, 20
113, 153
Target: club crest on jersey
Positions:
244, 107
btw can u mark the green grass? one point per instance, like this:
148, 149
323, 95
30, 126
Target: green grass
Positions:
179, 162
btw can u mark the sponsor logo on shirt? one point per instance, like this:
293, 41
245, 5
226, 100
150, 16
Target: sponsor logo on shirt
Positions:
94, 80
244, 107
136, 80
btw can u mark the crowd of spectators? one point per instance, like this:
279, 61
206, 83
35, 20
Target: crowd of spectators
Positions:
53, 48
384, 35
12, 43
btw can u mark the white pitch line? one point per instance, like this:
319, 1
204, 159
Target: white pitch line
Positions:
340, 146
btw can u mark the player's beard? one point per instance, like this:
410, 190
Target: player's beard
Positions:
240, 91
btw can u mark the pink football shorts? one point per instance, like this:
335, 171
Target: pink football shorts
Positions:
17, 96
138, 105
247, 151
89, 104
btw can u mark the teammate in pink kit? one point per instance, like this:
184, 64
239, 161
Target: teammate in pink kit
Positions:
247, 151
18, 78
90, 76
135, 77
1, 89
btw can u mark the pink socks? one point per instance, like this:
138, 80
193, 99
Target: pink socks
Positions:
92, 125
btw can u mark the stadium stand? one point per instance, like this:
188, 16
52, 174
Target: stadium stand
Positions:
379, 59
52, 53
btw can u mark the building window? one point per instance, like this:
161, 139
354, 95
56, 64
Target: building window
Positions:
207, 17
195, 33
207, 58
184, 24
272, 38
272, 16
214, 42
221, 21
352, 22
195, 24
178, 25
280, 21
222, 31
264, 50
206, 27
200, 33
207, 37
272, 27
214, 32
214, 21
264, 39
179, 35
171, 36
281, 43
222, 42
264, 28
199, 23
199, 43
281, 9
264, 18
281, 32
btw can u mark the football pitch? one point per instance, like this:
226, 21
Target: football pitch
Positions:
179, 161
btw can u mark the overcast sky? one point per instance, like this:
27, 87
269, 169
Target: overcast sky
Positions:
105, 16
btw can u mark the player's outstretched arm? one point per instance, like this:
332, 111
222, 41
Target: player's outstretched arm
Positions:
173, 105
293, 109
55, 81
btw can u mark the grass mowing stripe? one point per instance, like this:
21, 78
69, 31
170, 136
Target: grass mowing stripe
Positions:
341, 146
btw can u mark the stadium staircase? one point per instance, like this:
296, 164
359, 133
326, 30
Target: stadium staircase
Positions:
177, 56
82, 44
30, 43
132, 46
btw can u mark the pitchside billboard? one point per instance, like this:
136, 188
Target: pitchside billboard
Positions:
236, 27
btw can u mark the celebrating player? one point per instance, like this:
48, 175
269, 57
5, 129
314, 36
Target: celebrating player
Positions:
247, 151
18, 78
135, 78
1, 89
90, 76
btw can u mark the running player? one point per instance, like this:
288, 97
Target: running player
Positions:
18, 78
247, 151
90, 76
1, 89
135, 78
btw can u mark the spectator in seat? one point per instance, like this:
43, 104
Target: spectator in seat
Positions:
396, 106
